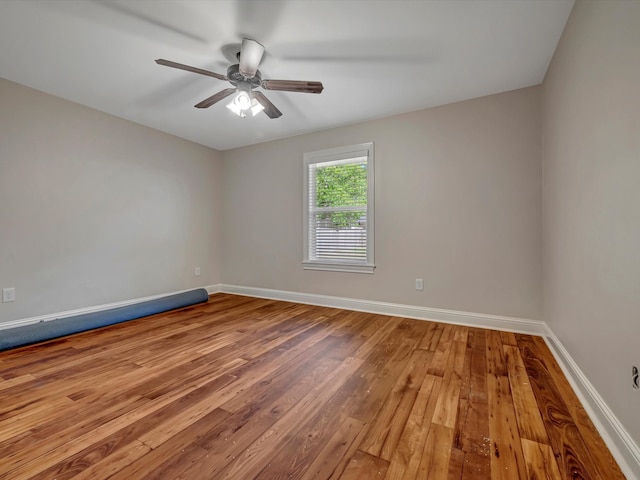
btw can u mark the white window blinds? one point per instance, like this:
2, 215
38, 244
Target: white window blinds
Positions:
339, 209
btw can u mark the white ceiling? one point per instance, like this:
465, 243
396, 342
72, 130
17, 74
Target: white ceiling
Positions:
375, 57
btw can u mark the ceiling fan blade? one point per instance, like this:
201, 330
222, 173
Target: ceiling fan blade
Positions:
269, 108
250, 56
169, 63
207, 102
293, 86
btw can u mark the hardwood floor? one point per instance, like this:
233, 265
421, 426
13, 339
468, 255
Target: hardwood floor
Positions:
243, 388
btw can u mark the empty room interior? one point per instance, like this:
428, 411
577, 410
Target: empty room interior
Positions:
320, 239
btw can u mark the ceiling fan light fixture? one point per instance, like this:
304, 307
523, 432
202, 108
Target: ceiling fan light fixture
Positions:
256, 107
244, 102
236, 109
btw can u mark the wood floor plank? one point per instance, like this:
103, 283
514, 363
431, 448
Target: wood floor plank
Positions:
432, 337
246, 388
456, 464
437, 453
574, 457
447, 407
313, 445
541, 463
524, 401
604, 461
406, 459
381, 333
333, 458
495, 354
507, 460
252, 460
15, 381
508, 338
45, 457
285, 376
368, 390
474, 436
384, 431
275, 426
124, 444
107, 466
62, 428
182, 420
22, 419
230, 438
171, 458
442, 352
365, 467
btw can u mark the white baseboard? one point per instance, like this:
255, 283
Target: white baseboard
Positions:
494, 322
70, 313
615, 436
617, 439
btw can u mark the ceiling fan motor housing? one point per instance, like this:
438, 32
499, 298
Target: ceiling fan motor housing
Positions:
236, 77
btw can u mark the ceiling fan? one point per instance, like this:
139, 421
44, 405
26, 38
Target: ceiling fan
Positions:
245, 78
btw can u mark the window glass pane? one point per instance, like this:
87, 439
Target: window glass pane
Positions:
338, 210
341, 185
340, 236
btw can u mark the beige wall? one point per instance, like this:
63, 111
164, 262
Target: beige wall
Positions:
95, 209
591, 143
458, 203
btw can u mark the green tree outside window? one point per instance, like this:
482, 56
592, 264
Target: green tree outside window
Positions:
342, 186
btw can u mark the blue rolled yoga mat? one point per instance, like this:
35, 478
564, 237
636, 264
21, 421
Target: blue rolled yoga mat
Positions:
39, 332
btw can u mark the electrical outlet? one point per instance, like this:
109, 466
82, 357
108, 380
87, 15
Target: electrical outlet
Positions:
197, 271
8, 295
419, 284
635, 381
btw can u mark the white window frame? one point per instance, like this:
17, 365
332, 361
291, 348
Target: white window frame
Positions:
332, 155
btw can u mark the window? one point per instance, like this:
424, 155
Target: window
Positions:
338, 209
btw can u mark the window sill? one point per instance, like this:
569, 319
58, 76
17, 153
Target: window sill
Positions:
338, 267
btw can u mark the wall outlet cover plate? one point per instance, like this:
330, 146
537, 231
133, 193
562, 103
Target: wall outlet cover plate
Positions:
8, 295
